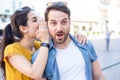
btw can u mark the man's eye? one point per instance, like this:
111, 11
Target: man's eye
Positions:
53, 23
64, 22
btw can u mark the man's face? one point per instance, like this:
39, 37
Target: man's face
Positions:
58, 25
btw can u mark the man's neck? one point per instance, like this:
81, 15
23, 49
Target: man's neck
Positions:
63, 45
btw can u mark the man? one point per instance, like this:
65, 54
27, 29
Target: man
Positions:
68, 60
108, 33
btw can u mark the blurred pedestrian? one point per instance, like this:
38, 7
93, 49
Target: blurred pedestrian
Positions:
108, 33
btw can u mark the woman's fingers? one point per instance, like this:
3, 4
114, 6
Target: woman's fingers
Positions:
81, 38
43, 25
42, 32
84, 40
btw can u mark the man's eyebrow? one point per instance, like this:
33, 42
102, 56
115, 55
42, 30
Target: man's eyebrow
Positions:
65, 19
52, 20
59, 20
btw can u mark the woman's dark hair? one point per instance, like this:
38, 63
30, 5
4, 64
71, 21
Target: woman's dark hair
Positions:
12, 31
60, 6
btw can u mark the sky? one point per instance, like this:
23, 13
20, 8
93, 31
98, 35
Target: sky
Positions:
84, 10
80, 9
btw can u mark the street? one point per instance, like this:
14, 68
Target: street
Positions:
109, 60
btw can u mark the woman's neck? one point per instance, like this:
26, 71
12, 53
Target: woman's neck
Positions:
28, 43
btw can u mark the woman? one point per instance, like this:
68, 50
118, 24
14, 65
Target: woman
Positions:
19, 44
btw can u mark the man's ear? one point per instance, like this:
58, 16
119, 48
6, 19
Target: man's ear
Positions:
23, 29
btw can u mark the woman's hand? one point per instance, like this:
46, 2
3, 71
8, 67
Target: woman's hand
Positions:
42, 33
81, 38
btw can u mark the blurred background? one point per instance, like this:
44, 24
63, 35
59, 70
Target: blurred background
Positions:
89, 17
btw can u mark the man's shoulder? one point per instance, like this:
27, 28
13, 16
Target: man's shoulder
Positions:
89, 43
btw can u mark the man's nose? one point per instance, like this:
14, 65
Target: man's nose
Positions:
59, 27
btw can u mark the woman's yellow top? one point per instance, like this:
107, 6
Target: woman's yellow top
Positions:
17, 49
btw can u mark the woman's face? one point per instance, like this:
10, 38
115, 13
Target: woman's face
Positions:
32, 24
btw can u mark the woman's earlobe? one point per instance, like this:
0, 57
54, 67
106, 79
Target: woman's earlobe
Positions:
23, 29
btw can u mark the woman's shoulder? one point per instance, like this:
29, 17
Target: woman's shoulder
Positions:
14, 48
13, 45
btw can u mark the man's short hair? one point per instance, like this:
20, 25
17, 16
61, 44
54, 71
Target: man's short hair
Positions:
60, 6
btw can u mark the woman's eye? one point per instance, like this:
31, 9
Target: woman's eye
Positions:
34, 20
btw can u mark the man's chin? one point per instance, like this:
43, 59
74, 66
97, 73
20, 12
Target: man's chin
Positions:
59, 41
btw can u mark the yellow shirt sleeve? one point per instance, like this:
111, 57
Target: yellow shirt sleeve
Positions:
11, 72
37, 44
16, 49
12, 50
